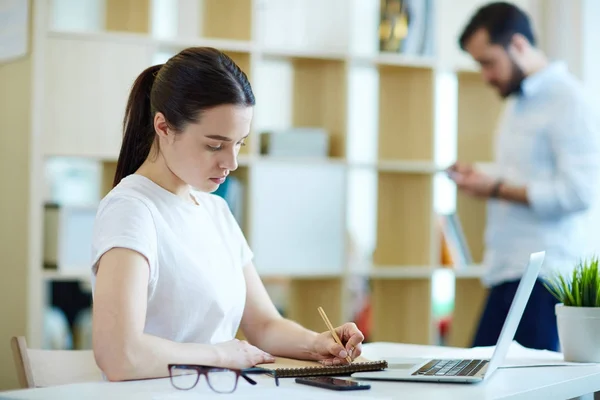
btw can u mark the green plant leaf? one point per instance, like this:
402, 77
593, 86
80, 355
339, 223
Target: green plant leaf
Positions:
580, 288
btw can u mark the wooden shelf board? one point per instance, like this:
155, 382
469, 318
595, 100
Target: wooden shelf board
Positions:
467, 67
240, 46
247, 46
243, 159
304, 54
416, 166
400, 272
392, 60
401, 60
379, 272
82, 275
418, 272
472, 271
246, 159
266, 159
102, 157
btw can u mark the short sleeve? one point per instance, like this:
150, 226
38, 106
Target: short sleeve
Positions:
241, 244
125, 222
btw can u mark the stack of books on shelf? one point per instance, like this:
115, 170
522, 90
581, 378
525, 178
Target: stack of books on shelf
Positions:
455, 249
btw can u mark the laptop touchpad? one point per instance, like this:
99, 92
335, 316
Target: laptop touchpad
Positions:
401, 366
405, 363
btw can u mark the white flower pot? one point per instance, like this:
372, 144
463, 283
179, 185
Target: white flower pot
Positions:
579, 333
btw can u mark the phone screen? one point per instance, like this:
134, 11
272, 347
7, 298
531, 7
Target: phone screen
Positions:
332, 383
337, 381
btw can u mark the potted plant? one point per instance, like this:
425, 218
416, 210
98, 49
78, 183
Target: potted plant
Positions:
578, 313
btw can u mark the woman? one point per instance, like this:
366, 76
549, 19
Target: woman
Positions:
173, 276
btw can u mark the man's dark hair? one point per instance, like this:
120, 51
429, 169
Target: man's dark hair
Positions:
501, 20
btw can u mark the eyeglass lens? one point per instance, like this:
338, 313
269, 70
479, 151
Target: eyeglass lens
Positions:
184, 378
220, 380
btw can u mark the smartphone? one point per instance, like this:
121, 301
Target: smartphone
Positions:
327, 382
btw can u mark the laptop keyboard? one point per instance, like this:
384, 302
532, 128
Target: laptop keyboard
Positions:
451, 367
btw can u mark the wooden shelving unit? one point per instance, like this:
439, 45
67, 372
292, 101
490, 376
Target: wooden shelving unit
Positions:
303, 70
478, 111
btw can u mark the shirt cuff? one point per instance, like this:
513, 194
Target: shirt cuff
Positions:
542, 198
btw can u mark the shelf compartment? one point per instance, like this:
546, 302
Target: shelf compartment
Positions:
469, 300
216, 19
309, 93
401, 310
83, 81
479, 108
319, 93
127, 16
317, 243
404, 219
306, 295
472, 214
405, 113
109, 169
227, 19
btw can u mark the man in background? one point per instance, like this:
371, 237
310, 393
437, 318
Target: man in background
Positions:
547, 158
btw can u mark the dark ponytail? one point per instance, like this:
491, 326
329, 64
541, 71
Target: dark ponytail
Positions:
138, 129
192, 81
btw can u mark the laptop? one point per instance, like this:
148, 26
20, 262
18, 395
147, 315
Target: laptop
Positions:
466, 370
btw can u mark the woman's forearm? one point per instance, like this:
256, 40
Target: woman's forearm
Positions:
285, 338
148, 357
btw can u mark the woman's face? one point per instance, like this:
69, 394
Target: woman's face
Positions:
206, 152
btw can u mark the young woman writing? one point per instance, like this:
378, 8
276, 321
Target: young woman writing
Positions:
173, 277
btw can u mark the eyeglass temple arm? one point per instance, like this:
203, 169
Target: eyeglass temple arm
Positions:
248, 379
258, 370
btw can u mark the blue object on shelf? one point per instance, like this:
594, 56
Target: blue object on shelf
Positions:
232, 191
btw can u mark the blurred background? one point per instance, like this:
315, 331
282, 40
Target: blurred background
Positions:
360, 104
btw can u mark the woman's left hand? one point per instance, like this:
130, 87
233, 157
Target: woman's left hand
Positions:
329, 352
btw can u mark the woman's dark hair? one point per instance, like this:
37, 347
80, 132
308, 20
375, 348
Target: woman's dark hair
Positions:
501, 20
192, 81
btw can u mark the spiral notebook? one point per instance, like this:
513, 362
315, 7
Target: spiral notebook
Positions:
290, 368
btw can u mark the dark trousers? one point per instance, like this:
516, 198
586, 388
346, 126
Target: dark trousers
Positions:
537, 328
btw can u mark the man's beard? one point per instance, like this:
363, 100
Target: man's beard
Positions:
514, 84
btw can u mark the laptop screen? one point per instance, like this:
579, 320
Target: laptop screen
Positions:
516, 310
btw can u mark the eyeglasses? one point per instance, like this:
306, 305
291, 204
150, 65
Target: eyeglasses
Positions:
220, 380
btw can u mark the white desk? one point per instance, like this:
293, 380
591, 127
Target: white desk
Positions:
549, 382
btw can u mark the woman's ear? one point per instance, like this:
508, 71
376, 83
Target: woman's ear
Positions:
161, 127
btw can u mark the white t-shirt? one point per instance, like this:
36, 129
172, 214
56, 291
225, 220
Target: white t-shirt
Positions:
196, 255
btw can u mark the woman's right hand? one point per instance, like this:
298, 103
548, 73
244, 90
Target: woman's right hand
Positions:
239, 354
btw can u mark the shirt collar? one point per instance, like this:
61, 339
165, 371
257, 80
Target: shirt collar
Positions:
535, 82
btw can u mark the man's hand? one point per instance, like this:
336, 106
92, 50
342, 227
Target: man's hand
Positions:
471, 181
